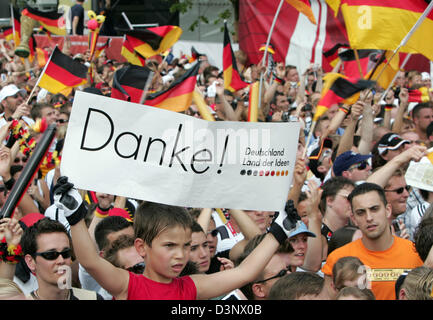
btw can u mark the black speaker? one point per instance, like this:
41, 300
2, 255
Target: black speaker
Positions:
140, 14
5, 12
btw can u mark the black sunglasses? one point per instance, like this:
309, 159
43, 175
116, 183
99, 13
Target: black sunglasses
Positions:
61, 120
280, 274
17, 160
53, 255
400, 190
137, 268
360, 166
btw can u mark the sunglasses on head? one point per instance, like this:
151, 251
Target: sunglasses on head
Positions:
400, 190
137, 268
53, 255
280, 274
360, 166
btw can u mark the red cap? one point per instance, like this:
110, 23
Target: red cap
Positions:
31, 218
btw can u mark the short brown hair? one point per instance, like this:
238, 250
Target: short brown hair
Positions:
152, 218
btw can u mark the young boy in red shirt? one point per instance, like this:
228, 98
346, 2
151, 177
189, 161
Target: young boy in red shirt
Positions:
163, 238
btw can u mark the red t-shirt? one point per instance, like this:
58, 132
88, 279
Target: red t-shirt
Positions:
142, 288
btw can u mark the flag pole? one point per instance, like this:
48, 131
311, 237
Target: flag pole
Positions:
310, 134
395, 77
266, 49
358, 63
410, 33
127, 21
13, 25
40, 76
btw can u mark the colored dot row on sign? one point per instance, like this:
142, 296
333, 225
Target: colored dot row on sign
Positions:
264, 173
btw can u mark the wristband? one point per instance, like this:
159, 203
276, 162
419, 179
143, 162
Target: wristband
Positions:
78, 215
388, 107
10, 253
345, 110
278, 233
278, 80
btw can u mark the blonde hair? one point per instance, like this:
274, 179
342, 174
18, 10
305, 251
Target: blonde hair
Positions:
360, 294
346, 269
418, 284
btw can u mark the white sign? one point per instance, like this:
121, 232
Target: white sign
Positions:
420, 174
146, 153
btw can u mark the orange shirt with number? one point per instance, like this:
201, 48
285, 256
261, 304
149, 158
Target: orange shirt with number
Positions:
385, 266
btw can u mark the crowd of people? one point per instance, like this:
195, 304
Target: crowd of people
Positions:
352, 228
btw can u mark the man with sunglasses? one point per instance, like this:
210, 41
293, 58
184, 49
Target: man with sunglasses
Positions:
353, 166
48, 254
14, 107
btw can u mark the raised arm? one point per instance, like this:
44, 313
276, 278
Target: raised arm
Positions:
299, 176
313, 256
204, 218
346, 141
402, 108
367, 123
10, 233
248, 228
382, 175
229, 113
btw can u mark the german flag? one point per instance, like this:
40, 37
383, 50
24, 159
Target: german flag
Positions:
194, 55
52, 21
129, 82
42, 56
62, 72
130, 55
304, 7
8, 33
42, 29
232, 77
339, 89
32, 48
152, 41
331, 55
419, 95
383, 24
387, 75
350, 65
99, 49
178, 96
16, 25
334, 5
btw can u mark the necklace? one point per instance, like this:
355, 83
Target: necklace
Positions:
36, 296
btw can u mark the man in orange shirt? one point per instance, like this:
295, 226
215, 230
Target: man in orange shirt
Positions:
385, 256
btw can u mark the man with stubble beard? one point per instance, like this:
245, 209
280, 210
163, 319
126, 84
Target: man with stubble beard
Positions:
385, 255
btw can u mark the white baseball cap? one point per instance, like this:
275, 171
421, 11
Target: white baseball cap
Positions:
10, 90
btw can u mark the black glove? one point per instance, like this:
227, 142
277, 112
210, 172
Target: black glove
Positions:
67, 198
284, 222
